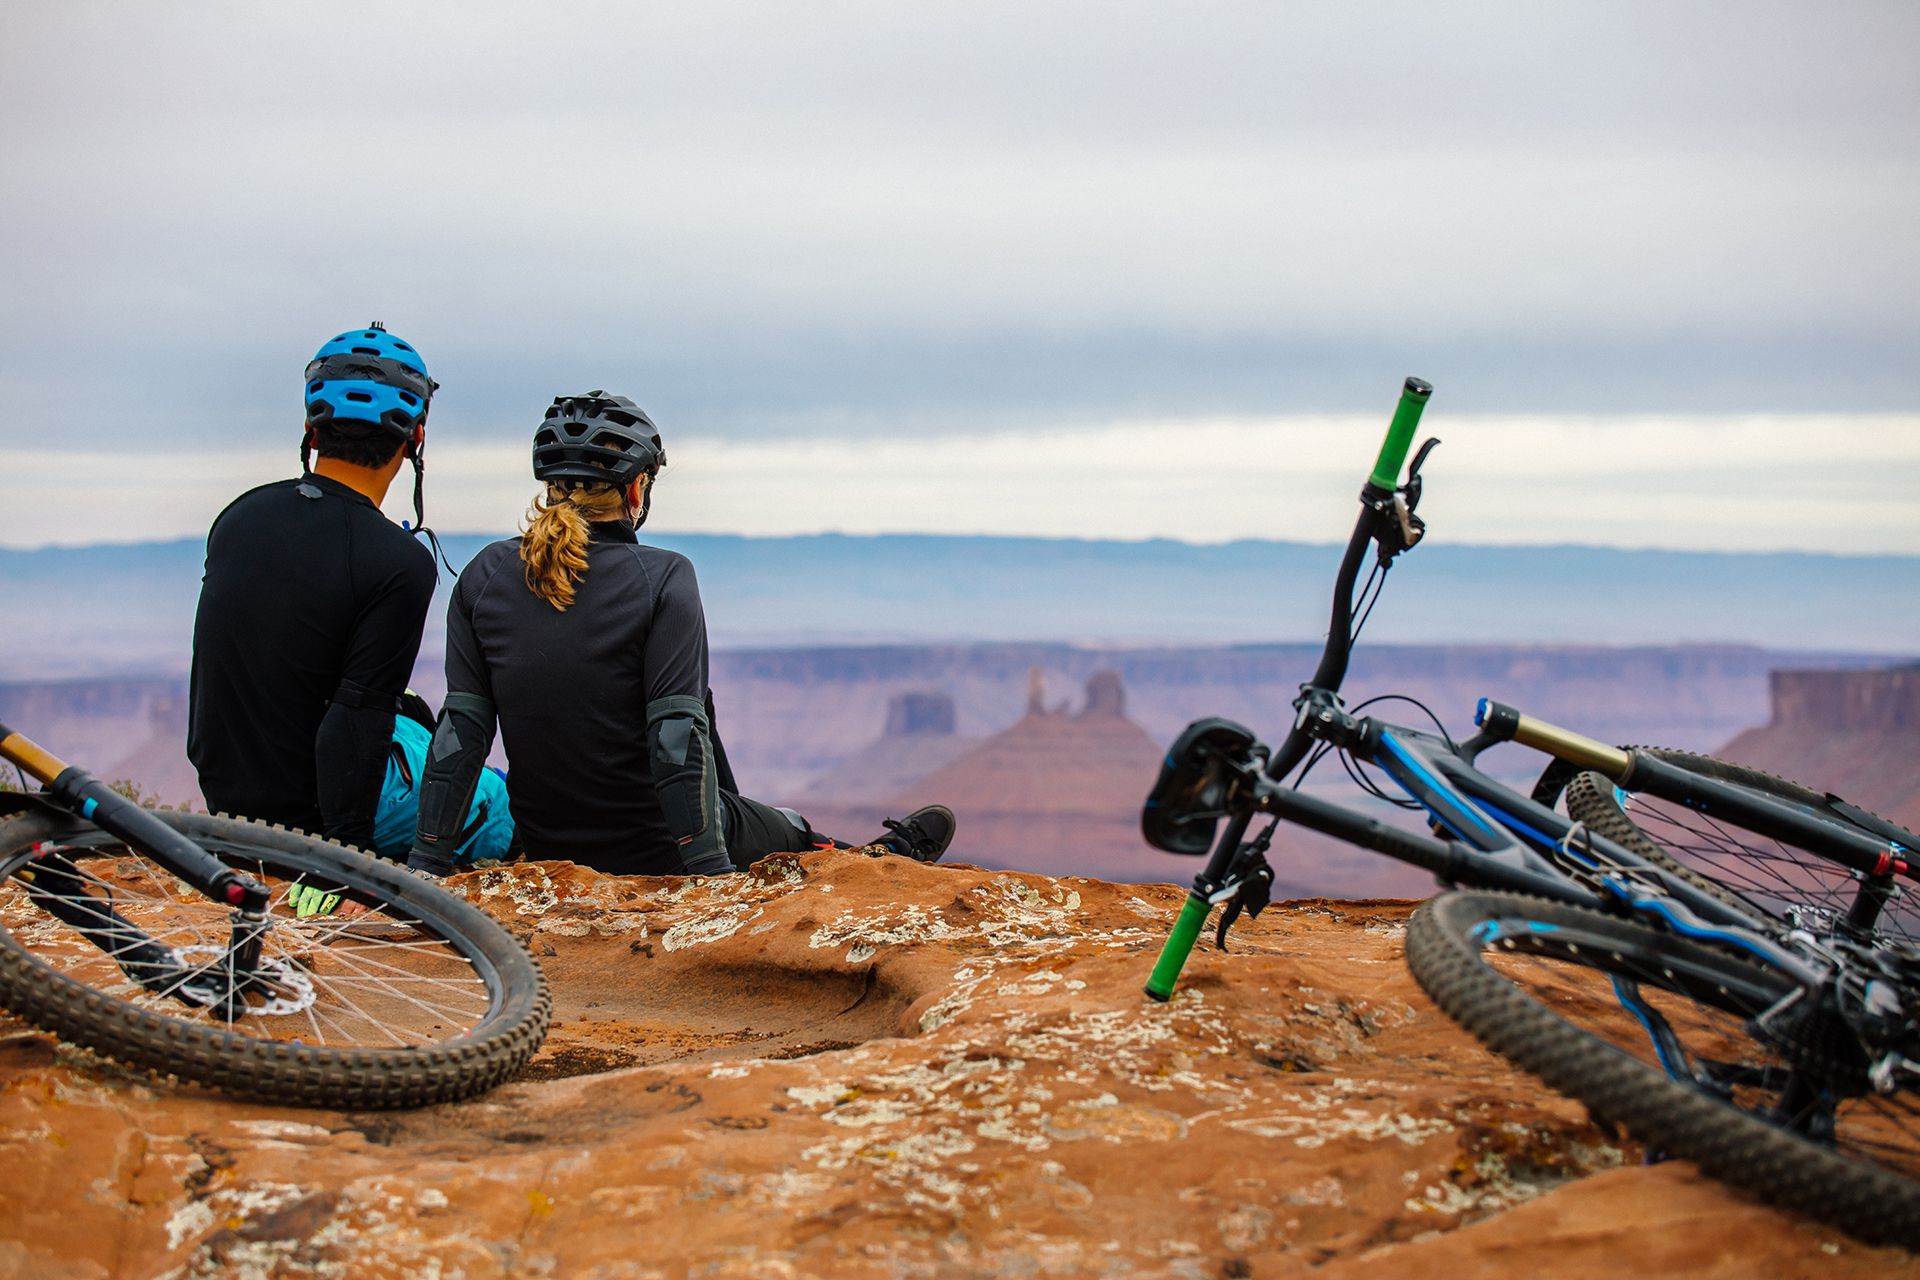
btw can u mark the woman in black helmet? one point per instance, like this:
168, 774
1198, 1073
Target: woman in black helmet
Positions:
590, 650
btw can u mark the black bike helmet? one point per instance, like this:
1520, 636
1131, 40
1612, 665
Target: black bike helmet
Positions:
597, 437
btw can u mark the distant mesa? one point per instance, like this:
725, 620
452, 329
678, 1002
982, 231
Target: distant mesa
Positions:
1059, 791
120, 728
1052, 762
1106, 696
1883, 701
1058, 787
920, 714
920, 737
1856, 733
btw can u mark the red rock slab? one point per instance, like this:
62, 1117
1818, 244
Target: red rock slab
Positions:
847, 1066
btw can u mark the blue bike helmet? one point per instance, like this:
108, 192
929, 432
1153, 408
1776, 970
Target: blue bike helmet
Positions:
368, 375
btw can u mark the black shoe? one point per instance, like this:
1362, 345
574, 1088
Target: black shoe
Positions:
922, 835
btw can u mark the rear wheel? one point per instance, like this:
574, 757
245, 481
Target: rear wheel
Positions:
390, 992
1779, 879
1683, 1045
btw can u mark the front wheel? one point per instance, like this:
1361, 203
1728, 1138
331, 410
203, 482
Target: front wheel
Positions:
1797, 886
1685, 1045
387, 992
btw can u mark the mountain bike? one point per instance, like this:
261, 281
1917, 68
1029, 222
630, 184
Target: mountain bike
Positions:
253, 959
1775, 1046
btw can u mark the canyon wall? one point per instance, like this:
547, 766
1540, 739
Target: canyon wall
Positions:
1855, 733
1050, 777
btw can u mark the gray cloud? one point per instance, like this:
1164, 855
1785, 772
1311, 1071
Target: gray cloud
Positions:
886, 216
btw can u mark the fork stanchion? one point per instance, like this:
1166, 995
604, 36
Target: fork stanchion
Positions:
41, 764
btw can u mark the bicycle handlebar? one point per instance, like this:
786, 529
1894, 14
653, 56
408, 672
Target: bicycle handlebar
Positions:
1406, 420
1173, 956
1333, 664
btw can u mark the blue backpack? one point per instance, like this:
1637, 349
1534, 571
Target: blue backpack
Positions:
489, 828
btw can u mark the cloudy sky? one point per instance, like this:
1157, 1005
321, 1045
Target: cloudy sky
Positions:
1110, 269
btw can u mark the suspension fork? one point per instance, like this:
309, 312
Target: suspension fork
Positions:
93, 801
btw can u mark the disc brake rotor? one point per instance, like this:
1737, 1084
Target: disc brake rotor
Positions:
295, 988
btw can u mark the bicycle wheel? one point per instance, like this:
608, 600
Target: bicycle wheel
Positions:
1658, 1034
1782, 880
402, 995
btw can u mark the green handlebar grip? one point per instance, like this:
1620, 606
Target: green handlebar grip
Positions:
1406, 420
1173, 956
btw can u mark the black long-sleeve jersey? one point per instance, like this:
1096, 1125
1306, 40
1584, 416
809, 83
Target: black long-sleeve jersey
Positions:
601, 707
309, 622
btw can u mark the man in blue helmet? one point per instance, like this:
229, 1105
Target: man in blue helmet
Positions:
311, 611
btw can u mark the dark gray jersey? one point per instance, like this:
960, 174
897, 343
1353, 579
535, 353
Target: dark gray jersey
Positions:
572, 691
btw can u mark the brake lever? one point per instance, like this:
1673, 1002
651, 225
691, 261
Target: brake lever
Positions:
1255, 893
1411, 527
1405, 529
1412, 488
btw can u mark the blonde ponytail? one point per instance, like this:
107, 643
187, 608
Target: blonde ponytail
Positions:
553, 546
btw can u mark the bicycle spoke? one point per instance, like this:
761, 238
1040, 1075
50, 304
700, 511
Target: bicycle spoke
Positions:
359, 989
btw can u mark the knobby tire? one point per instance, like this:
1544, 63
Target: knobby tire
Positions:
131, 1026
1854, 1189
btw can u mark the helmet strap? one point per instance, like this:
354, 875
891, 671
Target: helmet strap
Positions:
646, 501
306, 452
417, 455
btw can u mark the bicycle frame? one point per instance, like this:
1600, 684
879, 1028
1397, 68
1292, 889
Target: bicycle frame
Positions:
1495, 839
1500, 825
1877, 853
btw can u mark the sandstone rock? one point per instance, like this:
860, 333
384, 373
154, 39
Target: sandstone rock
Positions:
853, 1067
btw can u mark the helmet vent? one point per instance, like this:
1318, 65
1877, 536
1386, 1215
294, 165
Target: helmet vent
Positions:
360, 397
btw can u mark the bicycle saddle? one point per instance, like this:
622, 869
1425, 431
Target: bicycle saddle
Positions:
1190, 796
